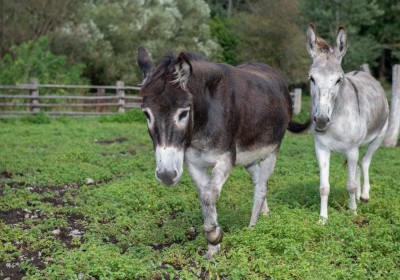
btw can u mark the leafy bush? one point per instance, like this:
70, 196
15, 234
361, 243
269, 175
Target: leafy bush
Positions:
39, 118
127, 117
33, 60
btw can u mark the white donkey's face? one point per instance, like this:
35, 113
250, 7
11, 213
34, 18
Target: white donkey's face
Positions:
326, 79
326, 75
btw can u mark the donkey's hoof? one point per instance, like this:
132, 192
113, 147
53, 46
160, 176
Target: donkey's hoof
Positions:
211, 250
322, 221
365, 200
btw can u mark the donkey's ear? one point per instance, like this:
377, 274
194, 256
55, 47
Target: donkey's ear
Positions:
312, 45
341, 43
146, 65
182, 70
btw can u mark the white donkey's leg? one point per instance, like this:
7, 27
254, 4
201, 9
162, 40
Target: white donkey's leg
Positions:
254, 171
352, 180
208, 193
366, 161
323, 156
358, 178
261, 186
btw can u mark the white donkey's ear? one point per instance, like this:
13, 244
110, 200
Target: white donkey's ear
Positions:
312, 45
146, 65
341, 43
182, 71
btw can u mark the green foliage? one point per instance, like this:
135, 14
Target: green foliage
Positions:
220, 29
268, 33
34, 60
106, 35
39, 118
127, 117
134, 228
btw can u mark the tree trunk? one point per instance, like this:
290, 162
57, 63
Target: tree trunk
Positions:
392, 133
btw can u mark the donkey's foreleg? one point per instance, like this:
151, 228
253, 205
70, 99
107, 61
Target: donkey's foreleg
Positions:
323, 156
208, 194
353, 180
260, 188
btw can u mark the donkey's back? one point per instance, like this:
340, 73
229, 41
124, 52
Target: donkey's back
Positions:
372, 105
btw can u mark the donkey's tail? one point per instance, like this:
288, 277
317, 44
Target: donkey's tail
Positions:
298, 127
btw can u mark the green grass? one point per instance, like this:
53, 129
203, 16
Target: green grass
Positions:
131, 227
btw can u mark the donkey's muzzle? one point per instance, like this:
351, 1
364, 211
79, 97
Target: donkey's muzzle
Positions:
168, 178
321, 123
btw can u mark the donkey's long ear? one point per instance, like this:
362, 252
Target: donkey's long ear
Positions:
312, 45
182, 70
145, 63
341, 43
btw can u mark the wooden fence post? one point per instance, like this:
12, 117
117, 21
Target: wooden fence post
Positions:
392, 133
365, 67
121, 96
296, 97
100, 107
35, 93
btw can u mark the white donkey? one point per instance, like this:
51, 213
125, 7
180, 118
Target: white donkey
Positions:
348, 111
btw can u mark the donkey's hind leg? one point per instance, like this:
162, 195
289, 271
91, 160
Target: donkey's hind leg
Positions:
260, 186
366, 162
254, 171
358, 180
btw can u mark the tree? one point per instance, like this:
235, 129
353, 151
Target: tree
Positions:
23, 20
387, 32
358, 17
105, 35
268, 32
33, 59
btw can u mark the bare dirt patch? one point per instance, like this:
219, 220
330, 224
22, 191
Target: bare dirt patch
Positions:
10, 271
6, 175
12, 217
75, 229
118, 140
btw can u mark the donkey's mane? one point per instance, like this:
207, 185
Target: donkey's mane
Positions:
168, 62
323, 45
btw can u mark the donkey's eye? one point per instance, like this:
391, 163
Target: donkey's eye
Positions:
183, 115
147, 115
311, 79
339, 81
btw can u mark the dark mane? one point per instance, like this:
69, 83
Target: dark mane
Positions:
323, 45
169, 60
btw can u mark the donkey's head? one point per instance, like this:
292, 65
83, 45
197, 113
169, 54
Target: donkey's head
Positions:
167, 105
326, 75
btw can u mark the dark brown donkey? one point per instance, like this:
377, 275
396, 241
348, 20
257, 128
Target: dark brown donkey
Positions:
213, 117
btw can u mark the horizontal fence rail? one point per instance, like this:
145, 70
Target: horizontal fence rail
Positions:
90, 100
69, 100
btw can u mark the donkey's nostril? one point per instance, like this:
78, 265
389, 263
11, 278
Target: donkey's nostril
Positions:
167, 177
315, 119
328, 120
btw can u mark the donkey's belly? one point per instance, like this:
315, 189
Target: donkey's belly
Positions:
247, 156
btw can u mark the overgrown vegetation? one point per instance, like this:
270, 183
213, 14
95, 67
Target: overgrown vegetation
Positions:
104, 35
34, 60
78, 199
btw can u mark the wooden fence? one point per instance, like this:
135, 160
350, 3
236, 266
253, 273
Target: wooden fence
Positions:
82, 100
71, 100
